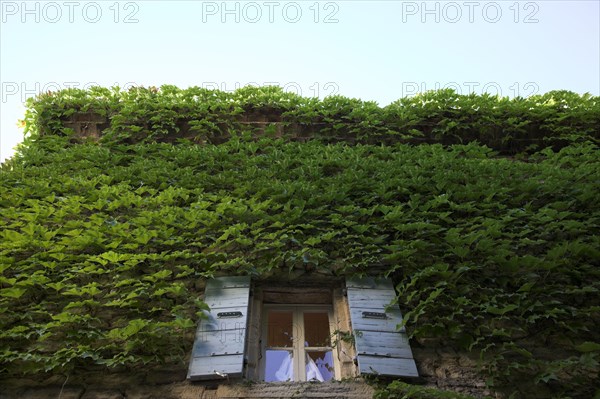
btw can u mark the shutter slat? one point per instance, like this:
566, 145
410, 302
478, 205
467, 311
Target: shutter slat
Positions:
226, 297
387, 366
382, 345
213, 322
228, 282
369, 298
219, 343
218, 350
390, 324
209, 366
383, 284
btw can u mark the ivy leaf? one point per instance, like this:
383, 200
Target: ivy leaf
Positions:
134, 326
546, 377
13, 292
13, 236
588, 347
501, 311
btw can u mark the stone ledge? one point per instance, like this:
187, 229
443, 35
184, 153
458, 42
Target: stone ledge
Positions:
327, 390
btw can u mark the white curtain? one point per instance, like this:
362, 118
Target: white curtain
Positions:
286, 370
312, 371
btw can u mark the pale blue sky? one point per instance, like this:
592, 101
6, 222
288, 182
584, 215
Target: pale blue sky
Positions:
374, 50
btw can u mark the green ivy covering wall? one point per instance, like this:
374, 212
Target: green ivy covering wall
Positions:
102, 243
169, 114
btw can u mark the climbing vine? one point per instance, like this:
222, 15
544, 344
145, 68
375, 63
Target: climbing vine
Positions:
103, 244
170, 114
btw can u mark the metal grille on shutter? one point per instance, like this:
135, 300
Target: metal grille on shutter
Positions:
381, 348
220, 339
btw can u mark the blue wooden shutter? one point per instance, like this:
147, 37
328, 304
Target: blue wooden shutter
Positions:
381, 348
220, 339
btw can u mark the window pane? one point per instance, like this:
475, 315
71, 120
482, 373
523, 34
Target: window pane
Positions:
279, 366
316, 329
319, 366
280, 329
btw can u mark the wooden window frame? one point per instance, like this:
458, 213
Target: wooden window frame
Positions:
298, 349
331, 298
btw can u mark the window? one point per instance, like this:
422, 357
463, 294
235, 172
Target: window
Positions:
314, 331
297, 343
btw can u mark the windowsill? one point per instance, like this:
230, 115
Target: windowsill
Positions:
356, 389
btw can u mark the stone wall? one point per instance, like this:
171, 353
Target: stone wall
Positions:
447, 369
90, 126
115, 386
440, 368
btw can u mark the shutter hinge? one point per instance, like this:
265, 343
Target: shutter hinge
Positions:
224, 375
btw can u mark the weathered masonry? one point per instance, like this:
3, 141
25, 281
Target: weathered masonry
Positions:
309, 333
